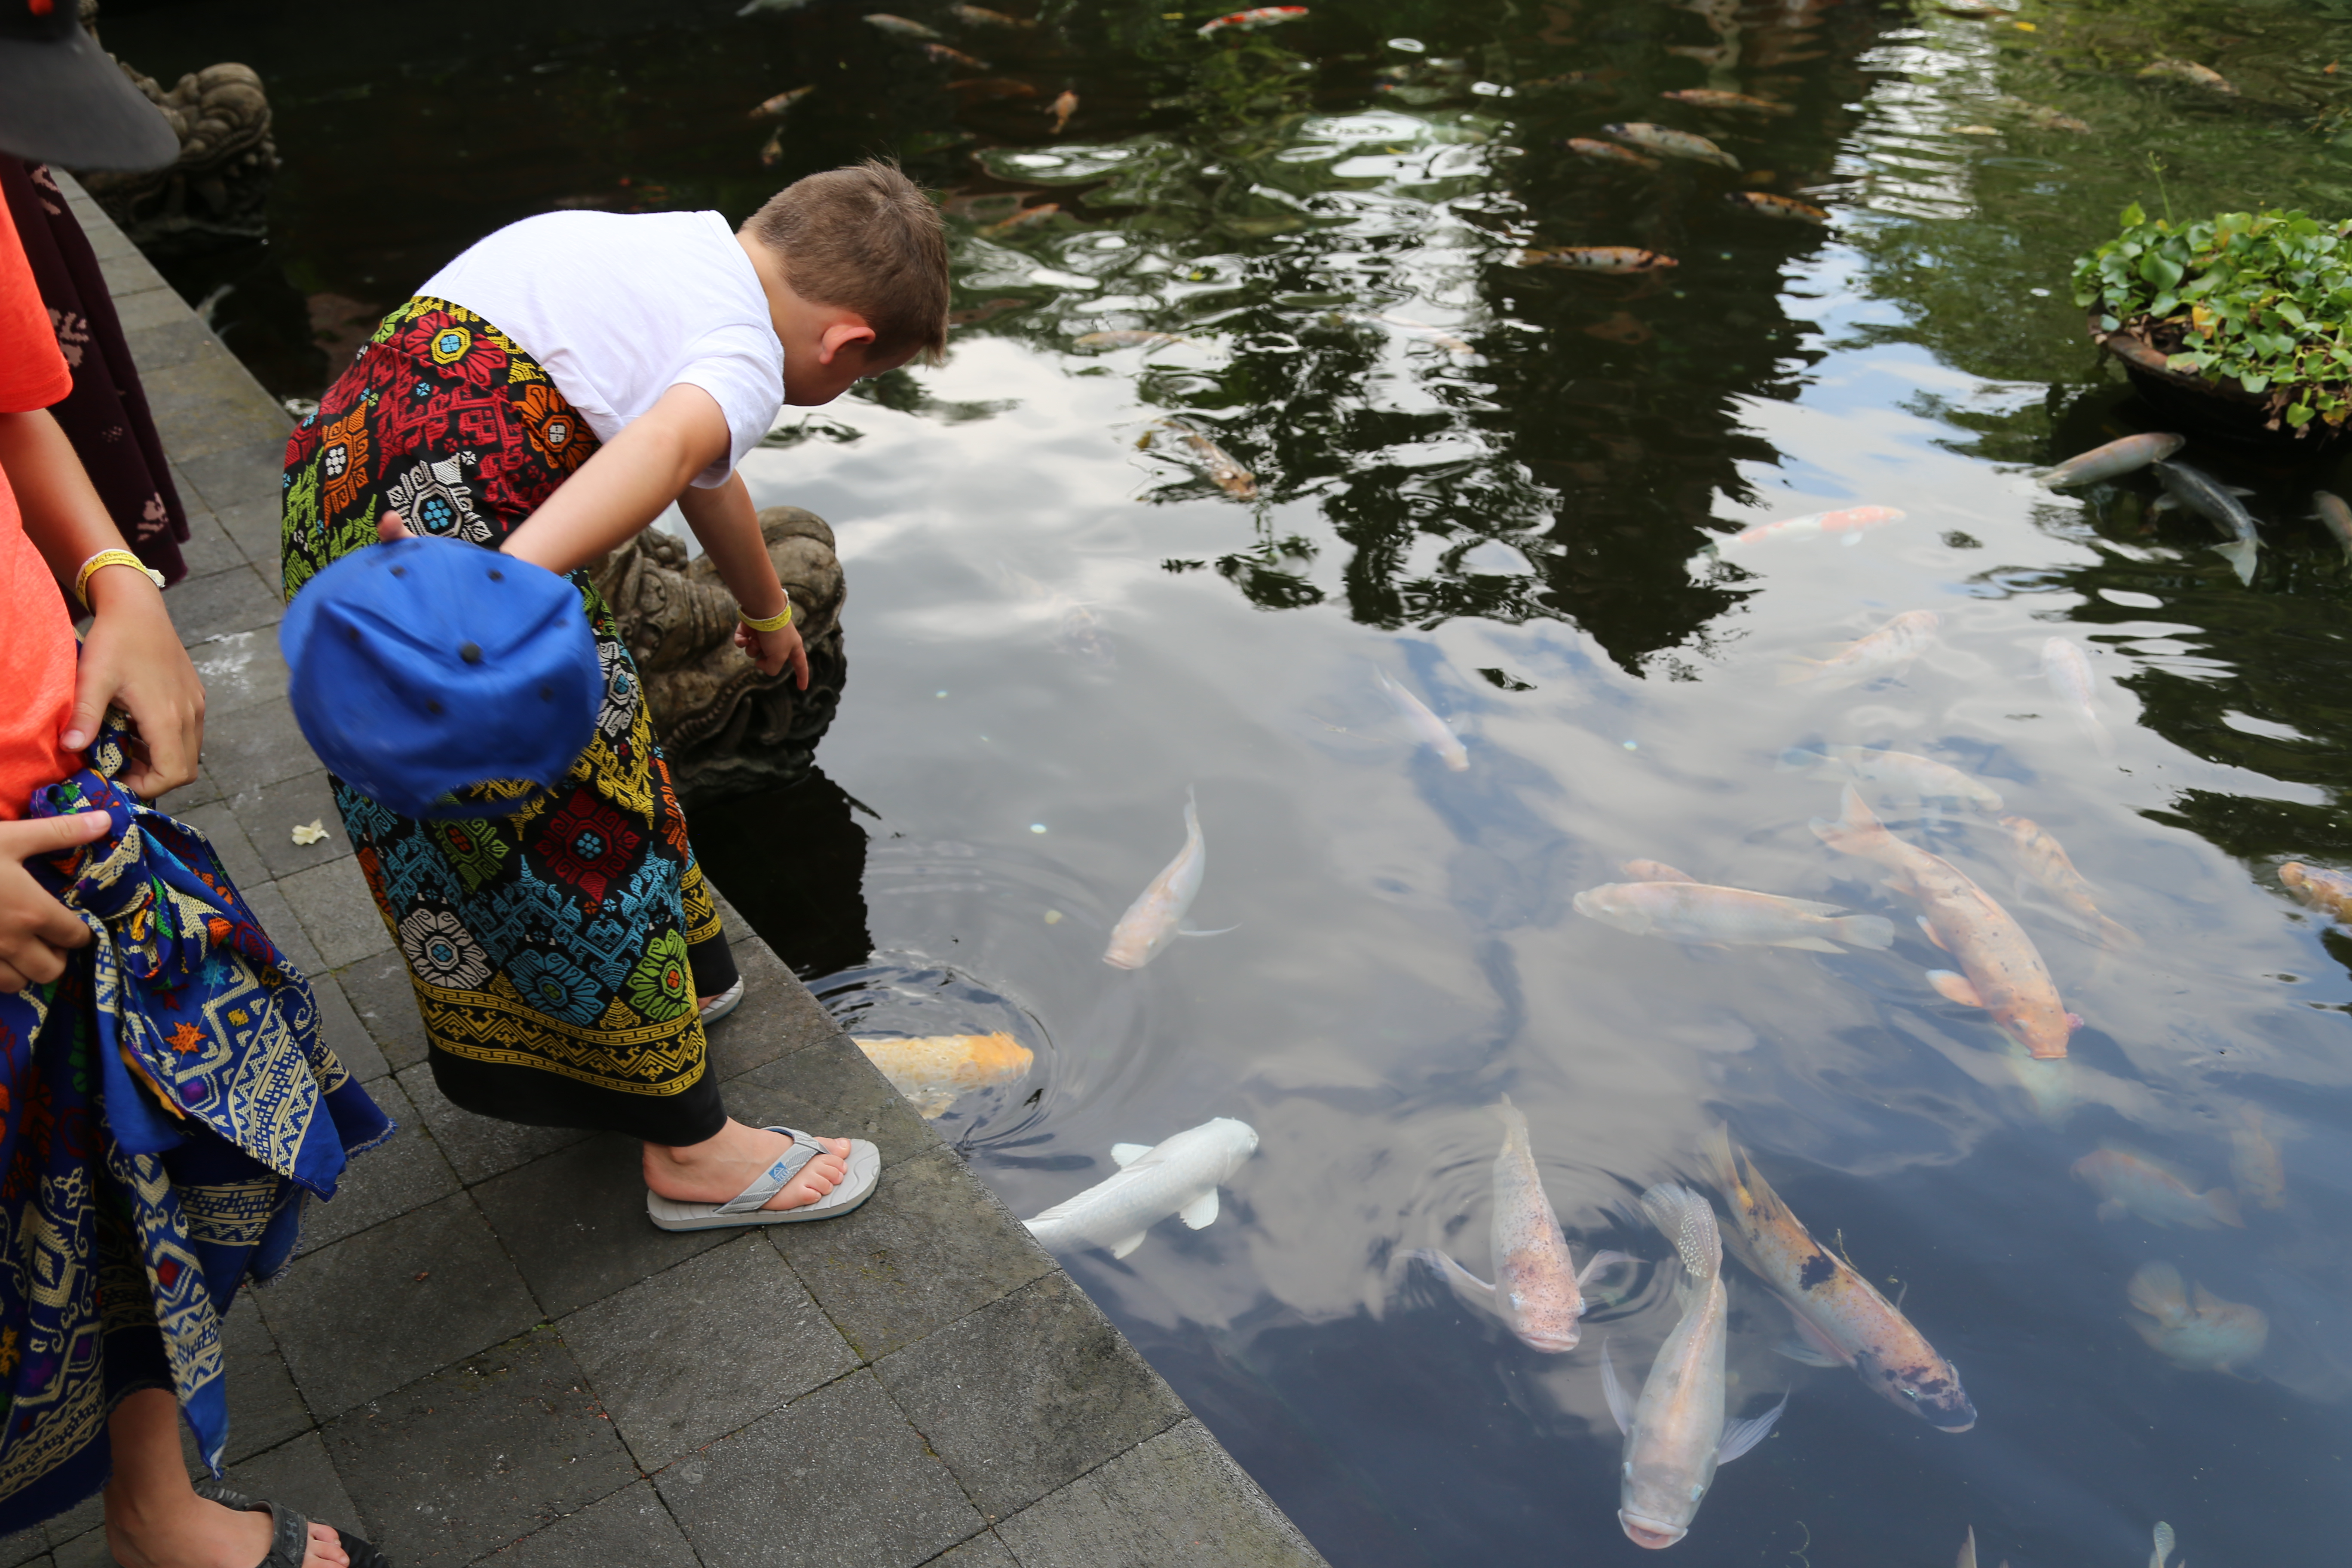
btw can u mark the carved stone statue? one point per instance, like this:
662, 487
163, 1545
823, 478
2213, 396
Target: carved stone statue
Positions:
725, 727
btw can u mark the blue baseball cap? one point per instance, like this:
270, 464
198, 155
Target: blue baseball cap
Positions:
427, 666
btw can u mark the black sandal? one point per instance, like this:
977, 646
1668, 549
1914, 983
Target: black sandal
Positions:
290, 1541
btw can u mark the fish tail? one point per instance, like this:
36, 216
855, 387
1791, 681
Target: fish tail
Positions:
1874, 931
1687, 1220
2157, 1291
1856, 831
1514, 1120
2117, 938
1722, 1162
2241, 554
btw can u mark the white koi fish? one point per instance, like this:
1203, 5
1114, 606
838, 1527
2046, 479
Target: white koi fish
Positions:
1178, 1175
1923, 777
1729, 917
1889, 650
1676, 1435
1158, 913
2069, 674
1427, 727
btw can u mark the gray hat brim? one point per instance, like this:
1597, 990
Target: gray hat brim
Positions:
63, 102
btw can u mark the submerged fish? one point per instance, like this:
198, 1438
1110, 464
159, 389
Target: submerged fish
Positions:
2196, 1332
1621, 259
901, 27
1709, 98
1427, 728
2116, 457
1128, 339
1886, 651
2212, 499
2130, 1183
1654, 871
1729, 917
1025, 216
2046, 861
941, 54
2188, 71
2163, 1540
1671, 143
771, 150
1063, 107
1922, 777
2001, 970
2069, 674
1851, 521
1180, 1176
2336, 516
1676, 1435
2329, 892
1766, 205
2042, 117
1842, 1318
1537, 1291
981, 16
1255, 18
773, 109
1211, 459
934, 1070
1157, 916
1608, 152
2254, 1162
752, 7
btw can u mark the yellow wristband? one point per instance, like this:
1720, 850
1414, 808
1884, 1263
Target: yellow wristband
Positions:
773, 623
110, 557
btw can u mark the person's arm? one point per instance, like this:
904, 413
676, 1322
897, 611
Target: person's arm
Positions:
724, 520
624, 485
132, 654
36, 930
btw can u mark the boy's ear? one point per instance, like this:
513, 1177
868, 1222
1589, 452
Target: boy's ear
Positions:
842, 335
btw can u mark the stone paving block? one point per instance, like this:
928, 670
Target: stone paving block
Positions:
239, 669
169, 343
415, 1294
931, 1245
1064, 1393
457, 1465
838, 1477
209, 548
85, 1551
211, 403
25, 1546
138, 307
1177, 1499
575, 1223
243, 475
129, 272
629, 1528
336, 908
340, 1026
983, 1551
268, 902
76, 1523
271, 812
692, 1354
389, 1180
299, 1475
385, 1002
476, 1146
257, 746
832, 1090
236, 600
265, 1408
776, 1016
227, 835
252, 524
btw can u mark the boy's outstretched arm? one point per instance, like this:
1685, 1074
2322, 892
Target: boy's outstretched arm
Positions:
723, 518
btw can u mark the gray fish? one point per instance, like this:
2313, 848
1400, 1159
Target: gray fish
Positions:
2212, 499
2336, 515
755, 6
2115, 458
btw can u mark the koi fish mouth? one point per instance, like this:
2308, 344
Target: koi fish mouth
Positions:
1966, 1425
1644, 1534
1551, 1342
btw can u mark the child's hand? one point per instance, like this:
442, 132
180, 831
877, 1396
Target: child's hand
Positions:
773, 650
34, 929
132, 659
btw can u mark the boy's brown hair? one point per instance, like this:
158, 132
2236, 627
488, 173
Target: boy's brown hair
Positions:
865, 238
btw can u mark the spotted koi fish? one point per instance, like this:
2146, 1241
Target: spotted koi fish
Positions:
1257, 17
1622, 260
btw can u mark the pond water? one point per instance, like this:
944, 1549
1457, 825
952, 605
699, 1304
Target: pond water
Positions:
1498, 485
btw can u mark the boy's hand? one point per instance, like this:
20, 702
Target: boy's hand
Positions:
35, 930
773, 650
132, 659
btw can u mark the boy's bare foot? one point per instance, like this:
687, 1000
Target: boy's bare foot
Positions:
717, 1169
190, 1531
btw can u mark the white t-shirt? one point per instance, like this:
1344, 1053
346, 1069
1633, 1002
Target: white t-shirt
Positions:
618, 308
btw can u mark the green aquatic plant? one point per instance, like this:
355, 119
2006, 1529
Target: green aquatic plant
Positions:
2261, 299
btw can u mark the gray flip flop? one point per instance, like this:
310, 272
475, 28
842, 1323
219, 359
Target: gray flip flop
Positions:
289, 1539
726, 1002
857, 1185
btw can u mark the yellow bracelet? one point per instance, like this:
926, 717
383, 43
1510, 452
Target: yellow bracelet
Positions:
773, 623
110, 557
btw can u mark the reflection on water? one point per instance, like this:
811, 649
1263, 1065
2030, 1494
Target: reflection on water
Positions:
1507, 490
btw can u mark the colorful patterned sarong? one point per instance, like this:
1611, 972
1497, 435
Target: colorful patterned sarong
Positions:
556, 953
160, 1121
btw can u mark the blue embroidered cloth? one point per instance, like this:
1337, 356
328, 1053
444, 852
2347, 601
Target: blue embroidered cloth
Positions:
161, 1124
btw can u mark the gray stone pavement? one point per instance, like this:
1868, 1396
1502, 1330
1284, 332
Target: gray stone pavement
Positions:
487, 1354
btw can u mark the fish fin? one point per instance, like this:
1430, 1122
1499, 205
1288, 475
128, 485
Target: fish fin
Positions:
1467, 1285
1969, 1550
1930, 932
2238, 491
1953, 987
1810, 1335
1201, 1210
1620, 1409
2161, 505
1187, 931
1852, 539
1809, 943
1741, 1436
1803, 1354
1122, 1248
2240, 556
1874, 931
2117, 938
1812, 908
1125, 1154
1599, 1261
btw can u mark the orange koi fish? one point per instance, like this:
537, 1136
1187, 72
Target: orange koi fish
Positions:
1707, 97
1849, 523
1608, 152
2132, 1183
1764, 203
1619, 259
1258, 16
773, 109
1064, 107
2329, 892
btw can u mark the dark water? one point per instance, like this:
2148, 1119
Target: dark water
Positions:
1054, 634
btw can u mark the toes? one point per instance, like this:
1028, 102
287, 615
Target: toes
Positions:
326, 1548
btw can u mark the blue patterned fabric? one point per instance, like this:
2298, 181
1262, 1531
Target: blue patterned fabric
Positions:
161, 1124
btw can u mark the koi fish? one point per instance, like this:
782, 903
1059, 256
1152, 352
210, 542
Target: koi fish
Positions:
933, 1071
901, 27
1709, 98
2163, 1540
773, 109
1621, 259
1210, 458
752, 7
1063, 107
1673, 143
1608, 152
2115, 458
993, 86
2046, 861
1128, 339
2000, 969
1178, 1175
1427, 728
1256, 18
2043, 118
2069, 674
1157, 916
1434, 336
1676, 1435
2188, 71
1729, 917
1025, 216
1886, 651
2132, 1183
1654, 871
1840, 1318
772, 152
2336, 516
981, 16
1537, 1291
1849, 523
2195, 1331
941, 54
2210, 499
2329, 892
1922, 777
1763, 203
2254, 1162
